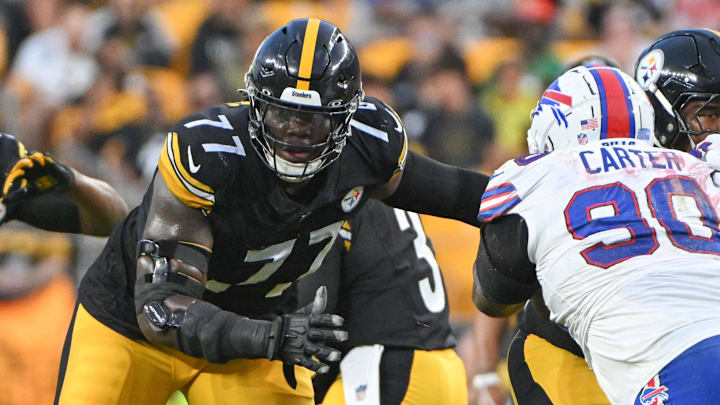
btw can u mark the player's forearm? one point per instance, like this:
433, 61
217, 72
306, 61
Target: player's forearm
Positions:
490, 308
172, 313
100, 207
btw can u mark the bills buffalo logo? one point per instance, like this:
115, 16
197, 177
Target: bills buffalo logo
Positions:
351, 199
360, 392
654, 393
552, 99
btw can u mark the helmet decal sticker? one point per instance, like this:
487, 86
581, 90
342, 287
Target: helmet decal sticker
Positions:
649, 68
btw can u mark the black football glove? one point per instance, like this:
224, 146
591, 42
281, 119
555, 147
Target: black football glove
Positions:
299, 336
34, 174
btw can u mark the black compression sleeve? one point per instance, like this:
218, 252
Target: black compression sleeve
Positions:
434, 188
503, 268
51, 212
219, 336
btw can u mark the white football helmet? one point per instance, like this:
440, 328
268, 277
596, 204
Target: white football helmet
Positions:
590, 103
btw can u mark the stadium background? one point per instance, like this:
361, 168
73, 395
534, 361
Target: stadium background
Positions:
97, 83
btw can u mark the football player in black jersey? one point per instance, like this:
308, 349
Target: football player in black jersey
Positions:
36, 301
545, 364
383, 279
44, 193
195, 290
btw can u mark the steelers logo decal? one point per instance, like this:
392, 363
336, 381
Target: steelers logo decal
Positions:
649, 68
352, 198
3, 211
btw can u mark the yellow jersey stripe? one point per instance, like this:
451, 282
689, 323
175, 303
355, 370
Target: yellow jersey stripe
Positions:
308, 54
403, 153
184, 191
178, 165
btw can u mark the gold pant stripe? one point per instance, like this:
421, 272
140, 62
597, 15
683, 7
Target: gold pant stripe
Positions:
565, 378
105, 367
437, 377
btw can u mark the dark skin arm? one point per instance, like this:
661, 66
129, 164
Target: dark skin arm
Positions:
489, 307
100, 207
75, 203
170, 219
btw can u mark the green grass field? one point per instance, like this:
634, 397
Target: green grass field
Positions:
177, 398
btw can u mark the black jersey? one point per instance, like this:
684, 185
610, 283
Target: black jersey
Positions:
389, 290
10, 151
263, 240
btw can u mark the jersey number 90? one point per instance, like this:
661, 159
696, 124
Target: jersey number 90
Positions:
676, 202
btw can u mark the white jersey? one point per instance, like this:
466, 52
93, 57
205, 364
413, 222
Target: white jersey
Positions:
626, 244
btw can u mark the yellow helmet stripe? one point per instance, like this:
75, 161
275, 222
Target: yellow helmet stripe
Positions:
308, 54
713, 31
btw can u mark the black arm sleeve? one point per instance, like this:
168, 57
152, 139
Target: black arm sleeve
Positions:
503, 269
434, 188
51, 212
220, 336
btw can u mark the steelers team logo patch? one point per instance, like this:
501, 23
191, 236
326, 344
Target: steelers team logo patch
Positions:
649, 68
351, 199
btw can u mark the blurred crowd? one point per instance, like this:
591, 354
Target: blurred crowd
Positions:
99, 82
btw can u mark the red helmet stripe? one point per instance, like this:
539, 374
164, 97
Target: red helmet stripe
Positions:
615, 114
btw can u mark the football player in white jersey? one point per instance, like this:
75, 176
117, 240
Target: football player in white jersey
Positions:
620, 238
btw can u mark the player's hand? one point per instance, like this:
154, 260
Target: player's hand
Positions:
709, 151
303, 334
34, 174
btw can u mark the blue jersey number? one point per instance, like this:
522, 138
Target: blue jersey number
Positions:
677, 202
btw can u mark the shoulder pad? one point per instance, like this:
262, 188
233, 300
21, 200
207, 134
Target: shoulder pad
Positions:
509, 184
377, 125
197, 152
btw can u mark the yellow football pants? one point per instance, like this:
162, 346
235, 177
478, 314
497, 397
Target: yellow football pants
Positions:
542, 373
105, 367
437, 377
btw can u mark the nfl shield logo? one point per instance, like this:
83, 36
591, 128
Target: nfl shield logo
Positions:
360, 392
582, 139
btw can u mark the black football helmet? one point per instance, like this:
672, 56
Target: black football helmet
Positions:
304, 86
679, 68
